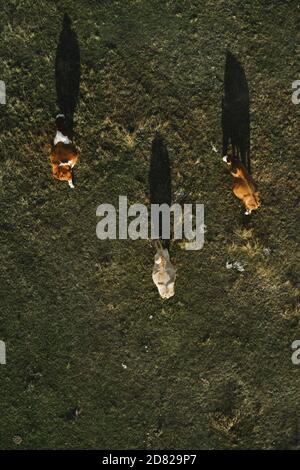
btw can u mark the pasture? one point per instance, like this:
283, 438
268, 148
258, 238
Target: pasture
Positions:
95, 358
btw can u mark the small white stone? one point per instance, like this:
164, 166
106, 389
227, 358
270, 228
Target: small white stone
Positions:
238, 266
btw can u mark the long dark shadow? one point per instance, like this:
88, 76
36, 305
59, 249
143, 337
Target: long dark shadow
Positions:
67, 71
235, 111
160, 179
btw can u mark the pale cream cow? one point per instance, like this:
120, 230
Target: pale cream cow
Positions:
163, 273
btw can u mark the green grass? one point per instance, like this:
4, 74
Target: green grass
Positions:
217, 369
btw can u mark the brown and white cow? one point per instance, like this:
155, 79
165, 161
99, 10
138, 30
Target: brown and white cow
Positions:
64, 154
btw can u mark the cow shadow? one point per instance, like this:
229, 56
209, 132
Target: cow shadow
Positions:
67, 72
235, 111
160, 180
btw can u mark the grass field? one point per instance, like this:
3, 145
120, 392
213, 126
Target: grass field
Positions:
211, 367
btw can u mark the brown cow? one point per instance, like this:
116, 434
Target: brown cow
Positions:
244, 186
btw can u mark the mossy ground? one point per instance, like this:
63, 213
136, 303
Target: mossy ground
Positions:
211, 367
